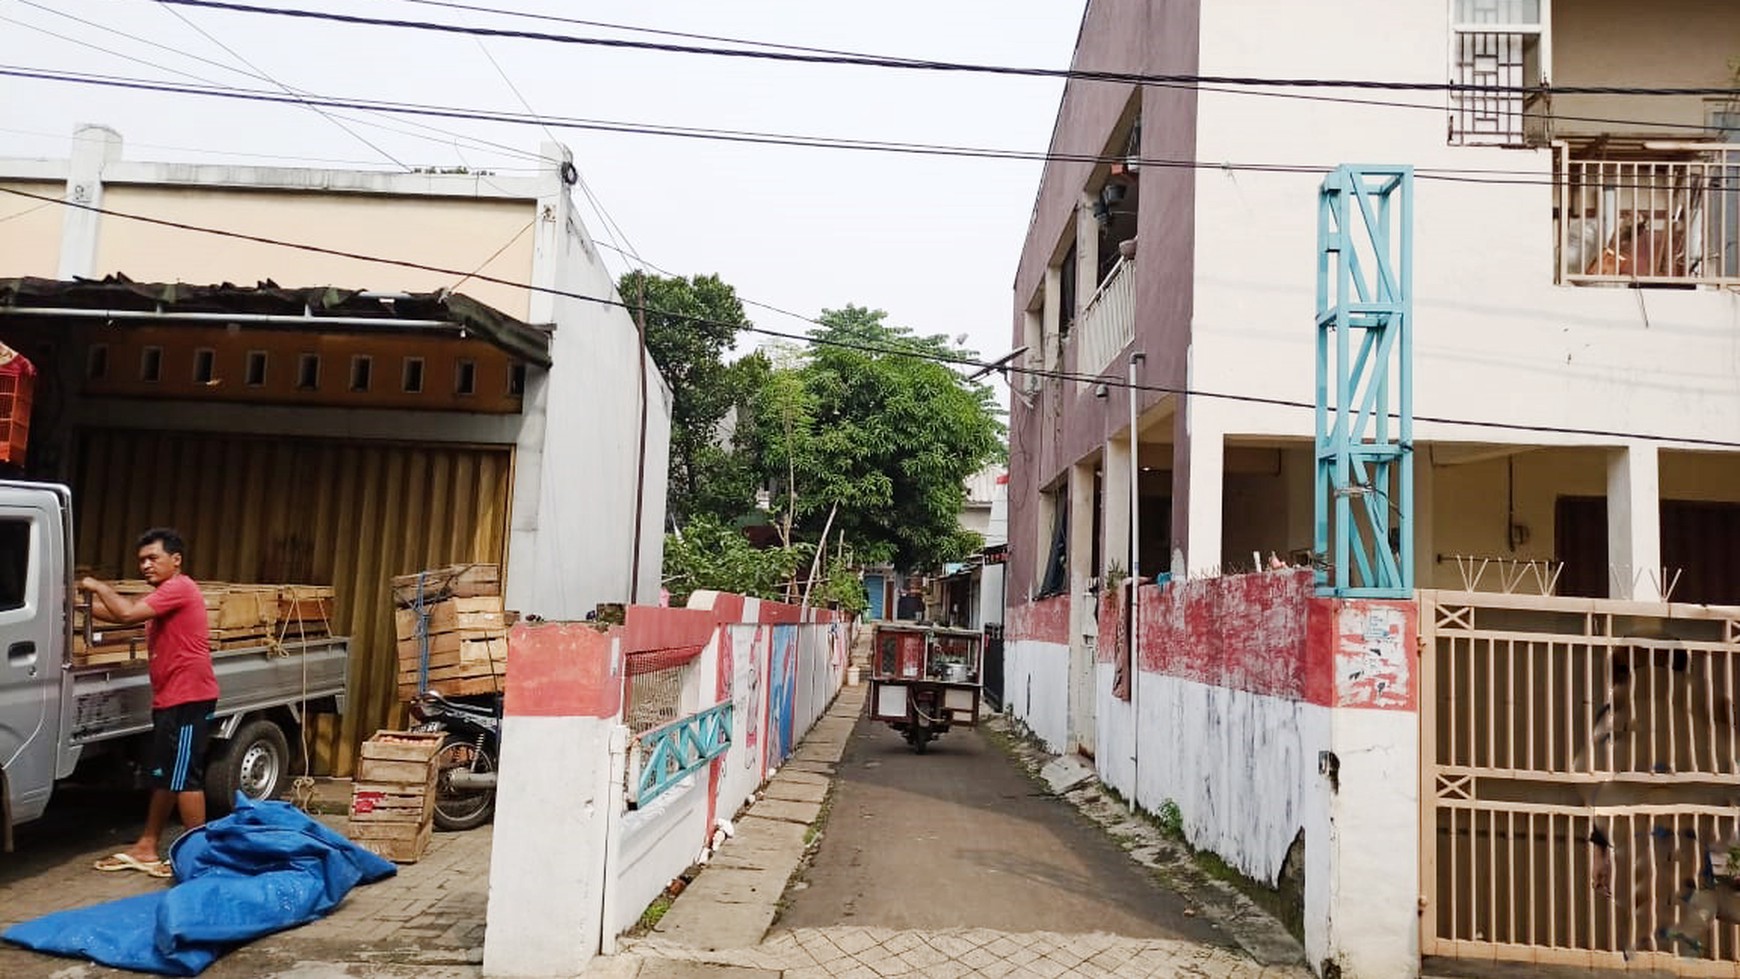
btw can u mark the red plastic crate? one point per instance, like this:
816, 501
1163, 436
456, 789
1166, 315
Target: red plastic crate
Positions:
17, 388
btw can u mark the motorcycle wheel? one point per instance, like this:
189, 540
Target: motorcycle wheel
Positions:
456, 810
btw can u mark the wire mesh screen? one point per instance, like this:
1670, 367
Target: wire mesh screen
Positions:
656, 681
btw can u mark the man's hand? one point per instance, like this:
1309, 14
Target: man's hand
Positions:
110, 606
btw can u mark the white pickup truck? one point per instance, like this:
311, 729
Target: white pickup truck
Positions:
56, 715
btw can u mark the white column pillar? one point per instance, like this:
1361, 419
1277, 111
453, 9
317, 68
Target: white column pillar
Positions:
1115, 525
1087, 253
94, 148
1052, 316
1634, 523
1207, 491
1082, 689
1425, 535
560, 790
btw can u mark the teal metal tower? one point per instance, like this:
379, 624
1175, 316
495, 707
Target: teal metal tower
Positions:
1365, 382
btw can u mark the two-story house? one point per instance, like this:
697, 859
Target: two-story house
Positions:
1576, 310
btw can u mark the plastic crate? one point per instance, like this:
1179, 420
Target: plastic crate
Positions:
17, 388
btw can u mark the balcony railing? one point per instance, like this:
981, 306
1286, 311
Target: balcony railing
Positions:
1108, 324
1651, 222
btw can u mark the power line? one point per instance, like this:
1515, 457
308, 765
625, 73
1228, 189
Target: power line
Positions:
1447, 174
915, 352
879, 61
287, 90
450, 138
631, 28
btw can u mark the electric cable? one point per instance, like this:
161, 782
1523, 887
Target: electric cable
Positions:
916, 351
1446, 174
880, 61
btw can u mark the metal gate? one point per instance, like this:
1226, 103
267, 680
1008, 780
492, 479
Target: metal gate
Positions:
1546, 722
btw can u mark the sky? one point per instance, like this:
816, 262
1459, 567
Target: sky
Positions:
931, 240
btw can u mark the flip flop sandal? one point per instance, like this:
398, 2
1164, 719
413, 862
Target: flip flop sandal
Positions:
126, 861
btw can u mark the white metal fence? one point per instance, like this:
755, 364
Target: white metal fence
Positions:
1108, 325
1668, 221
1548, 721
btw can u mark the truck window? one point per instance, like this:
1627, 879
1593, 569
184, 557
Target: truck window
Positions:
14, 562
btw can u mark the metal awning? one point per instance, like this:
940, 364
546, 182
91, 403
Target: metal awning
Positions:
321, 309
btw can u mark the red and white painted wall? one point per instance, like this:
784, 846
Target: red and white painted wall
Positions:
1036, 668
573, 866
1265, 714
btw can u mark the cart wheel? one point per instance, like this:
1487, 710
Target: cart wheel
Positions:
918, 737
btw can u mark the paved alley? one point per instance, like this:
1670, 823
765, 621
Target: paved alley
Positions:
951, 864
959, 837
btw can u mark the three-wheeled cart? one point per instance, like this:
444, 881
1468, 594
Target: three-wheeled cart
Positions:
925, 679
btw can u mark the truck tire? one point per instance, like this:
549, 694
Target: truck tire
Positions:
456, 810
255, 762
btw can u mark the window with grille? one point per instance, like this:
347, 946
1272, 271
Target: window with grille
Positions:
1496, 50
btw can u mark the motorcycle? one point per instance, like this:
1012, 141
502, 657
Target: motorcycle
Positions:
465, 789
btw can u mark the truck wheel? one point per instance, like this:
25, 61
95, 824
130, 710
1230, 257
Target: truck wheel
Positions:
255, 762
456, 810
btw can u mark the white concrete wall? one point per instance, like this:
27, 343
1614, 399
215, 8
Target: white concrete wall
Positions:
575, 482
557, 803
1495, 338
1241, 767
1036, 688
660, 841
657, 843
1361, 905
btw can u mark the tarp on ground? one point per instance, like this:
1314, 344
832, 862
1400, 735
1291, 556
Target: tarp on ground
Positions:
265, 867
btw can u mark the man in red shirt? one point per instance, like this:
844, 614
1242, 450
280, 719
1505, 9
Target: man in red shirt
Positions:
184, 690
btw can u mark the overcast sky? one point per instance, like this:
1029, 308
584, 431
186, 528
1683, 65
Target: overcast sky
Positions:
932, 240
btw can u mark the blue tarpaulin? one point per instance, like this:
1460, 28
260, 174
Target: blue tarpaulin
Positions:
265, 867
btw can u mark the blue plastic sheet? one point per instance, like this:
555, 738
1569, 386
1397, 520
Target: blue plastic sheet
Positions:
265, 867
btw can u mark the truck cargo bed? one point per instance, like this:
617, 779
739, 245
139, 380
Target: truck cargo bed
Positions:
114, 700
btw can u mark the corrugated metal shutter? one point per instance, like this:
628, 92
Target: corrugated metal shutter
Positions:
349, 514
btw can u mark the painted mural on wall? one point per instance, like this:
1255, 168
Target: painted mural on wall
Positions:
753, 701
782, 692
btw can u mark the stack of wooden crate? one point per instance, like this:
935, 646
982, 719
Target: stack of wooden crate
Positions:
239, 616
451, 623
392, 803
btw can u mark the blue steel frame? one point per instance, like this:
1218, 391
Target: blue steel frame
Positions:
1365, 441
666, 755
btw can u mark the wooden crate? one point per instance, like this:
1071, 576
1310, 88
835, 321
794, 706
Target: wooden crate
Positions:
451, 615
453, 581
231, 608
309, 605
398, 842
392, 804
460, 687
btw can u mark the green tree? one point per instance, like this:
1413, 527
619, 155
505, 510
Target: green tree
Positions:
881, 442
710, 553
691, 324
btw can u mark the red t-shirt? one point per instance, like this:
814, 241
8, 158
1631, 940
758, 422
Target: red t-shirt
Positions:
179, 638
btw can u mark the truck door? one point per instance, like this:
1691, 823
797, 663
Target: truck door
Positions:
30, 653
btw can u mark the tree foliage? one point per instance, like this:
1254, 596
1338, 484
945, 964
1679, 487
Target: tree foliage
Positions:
882, 440
691, 323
